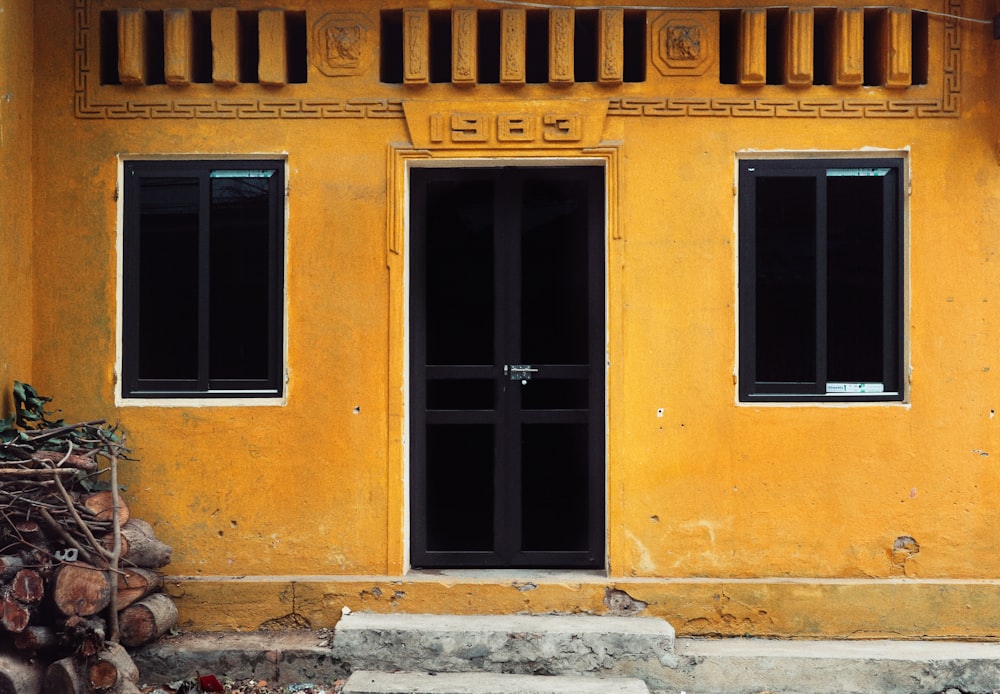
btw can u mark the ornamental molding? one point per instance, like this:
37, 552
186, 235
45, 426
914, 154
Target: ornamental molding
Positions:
344, 35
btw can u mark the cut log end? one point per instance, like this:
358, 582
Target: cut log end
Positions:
28, 586
14, 616
102, 505
147, 620
36, 638
81, 589
102, 675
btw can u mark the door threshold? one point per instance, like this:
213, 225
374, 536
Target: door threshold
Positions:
554, 575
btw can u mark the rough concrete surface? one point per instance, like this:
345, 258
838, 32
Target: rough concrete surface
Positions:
725, 666
750, 666
516, 644
275, 656
369, 682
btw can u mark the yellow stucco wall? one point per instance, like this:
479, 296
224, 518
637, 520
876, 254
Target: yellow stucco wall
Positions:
725, 518
16, 20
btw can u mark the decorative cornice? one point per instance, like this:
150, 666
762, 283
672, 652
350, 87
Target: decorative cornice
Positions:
92, 101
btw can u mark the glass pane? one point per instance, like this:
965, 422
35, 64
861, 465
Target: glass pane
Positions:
239, 250
168, 278
854, 274
786, 279
562, 394
554, 487
460, 487
554, 291
459, 247
460, 394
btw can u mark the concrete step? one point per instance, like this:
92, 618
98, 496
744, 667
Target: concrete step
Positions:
369, 682
751, 666
703, 666
513, 644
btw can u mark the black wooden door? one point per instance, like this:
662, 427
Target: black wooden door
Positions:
507, 367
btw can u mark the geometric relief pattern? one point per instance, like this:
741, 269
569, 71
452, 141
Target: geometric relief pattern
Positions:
241, 108
89, 105
947, 105
785, 108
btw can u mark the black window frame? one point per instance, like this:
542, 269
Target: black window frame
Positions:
894, 182
269, 383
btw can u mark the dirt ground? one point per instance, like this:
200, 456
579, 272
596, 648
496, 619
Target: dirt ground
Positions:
228, 686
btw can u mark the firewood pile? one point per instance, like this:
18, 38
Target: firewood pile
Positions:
78, 579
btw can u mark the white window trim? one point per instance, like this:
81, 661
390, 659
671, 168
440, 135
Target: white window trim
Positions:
120, 399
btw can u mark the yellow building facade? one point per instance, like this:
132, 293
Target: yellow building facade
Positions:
498, 307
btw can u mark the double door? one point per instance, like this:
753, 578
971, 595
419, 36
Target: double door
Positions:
507, 345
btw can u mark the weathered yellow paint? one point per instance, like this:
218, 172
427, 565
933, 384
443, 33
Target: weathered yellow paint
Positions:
787, 608
16, 199
724, 518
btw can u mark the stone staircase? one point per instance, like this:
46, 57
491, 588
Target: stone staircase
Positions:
504, 654
421, 654
580, 654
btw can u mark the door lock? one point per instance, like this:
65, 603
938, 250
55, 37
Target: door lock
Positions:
519, 372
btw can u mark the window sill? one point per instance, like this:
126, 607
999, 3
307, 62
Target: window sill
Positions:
209, 401
836, 401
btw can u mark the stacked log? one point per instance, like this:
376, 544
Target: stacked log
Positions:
78, 573
58, 610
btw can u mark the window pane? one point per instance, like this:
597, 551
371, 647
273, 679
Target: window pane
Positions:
854, 278
554, 272
460, 272
168, 278
239, 267
786, 279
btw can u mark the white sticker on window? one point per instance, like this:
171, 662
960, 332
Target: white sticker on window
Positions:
242, 173
855, 388
857, 172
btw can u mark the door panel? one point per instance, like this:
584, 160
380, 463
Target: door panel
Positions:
459, 280
554, 485
507, 367
460, 487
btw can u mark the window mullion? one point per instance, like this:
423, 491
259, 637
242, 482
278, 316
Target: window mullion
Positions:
204, 280
822, 355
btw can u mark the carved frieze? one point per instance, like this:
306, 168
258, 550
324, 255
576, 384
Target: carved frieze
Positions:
513, 37
344, 44
611, 64
416, 42
464, 47
561, 29
682, 43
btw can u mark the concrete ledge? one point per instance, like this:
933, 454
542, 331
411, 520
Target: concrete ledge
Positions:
512, 644
368, 682
773, 608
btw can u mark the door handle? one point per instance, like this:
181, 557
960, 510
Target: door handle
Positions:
519, 372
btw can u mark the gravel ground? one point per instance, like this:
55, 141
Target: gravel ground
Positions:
228, 686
